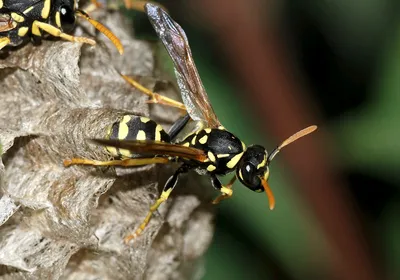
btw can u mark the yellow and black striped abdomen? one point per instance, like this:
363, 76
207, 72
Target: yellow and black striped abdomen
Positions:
135, 128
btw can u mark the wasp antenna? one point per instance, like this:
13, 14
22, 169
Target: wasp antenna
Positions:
107, 32
291, 139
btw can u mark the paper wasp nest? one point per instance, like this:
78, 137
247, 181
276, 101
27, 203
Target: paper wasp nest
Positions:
69, 223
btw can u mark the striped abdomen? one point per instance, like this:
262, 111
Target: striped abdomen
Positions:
135, 128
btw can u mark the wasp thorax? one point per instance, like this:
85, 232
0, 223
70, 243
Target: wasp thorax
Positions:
252, 167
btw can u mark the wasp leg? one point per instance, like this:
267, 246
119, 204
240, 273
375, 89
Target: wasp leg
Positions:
122, 162
139, 5
225, 190
38, 25
169, 186
4, 42
155, 97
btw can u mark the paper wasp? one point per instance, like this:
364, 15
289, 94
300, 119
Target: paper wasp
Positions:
209, 149
21, 20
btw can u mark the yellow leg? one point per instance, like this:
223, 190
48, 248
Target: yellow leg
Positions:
155, 97
123, 162
226, 191
139, 5
169, 186
4, 42
38, 25
164, 196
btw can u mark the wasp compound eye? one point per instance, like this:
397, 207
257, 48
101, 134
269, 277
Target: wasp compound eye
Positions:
67, 18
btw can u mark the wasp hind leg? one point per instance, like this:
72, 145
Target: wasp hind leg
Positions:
226, 191
154, 97
169, 186
123, 162
4, 41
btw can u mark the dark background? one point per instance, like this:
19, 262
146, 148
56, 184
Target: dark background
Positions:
272, 68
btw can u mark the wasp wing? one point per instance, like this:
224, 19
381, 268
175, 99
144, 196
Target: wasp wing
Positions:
154, 148
175, 41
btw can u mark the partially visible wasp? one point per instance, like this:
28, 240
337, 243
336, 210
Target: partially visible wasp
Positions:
21, 20
209, 149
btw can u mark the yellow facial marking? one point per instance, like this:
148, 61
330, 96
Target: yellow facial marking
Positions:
232, 163
207, 130
211, 168
194, 140
1, 4
158, 132
58, 19
22, 31
211, 156
203, 139
17, 17
144, 119
141, 135
240, 174
223, 155
27, 10
262, 164
123, 128
187, 144
46, 9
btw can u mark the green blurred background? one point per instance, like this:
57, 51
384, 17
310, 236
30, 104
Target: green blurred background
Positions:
341, 61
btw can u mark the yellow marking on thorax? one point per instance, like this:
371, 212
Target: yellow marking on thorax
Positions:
144, 119
1, 4
141, 135
17, 17
46, 9
207, 130
158, 132
58, 19
28, 10
203, 139
221, 127
123, 129
211, 156
187, 144
223, 155
211, 168
232, 163
243, 146
22, 31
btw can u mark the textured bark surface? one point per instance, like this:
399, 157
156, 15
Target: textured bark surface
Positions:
69, 223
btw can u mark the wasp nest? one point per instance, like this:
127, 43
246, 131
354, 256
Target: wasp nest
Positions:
69, 223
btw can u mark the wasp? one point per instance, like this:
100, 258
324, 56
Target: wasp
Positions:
208, 148
23, 20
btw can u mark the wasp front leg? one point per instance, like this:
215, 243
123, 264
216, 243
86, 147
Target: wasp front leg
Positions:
226, 191
169, 186
37, 26
154, 97
4, 41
